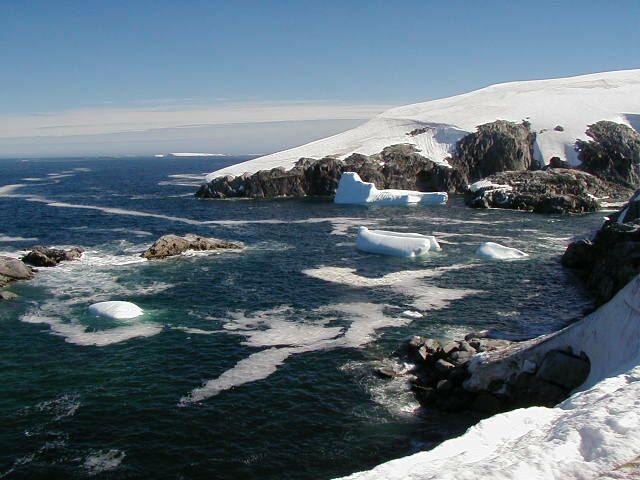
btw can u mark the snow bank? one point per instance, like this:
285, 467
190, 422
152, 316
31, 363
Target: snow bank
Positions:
395, 244
116, 310
488, 184
495, 251
434, 127
593, 432
352, 190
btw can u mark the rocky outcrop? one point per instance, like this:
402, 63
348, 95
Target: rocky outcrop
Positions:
544, 191
442, 370
6, 296
12, 269
397, 167
170, 245
50, 257
612, 154
495, 147
609, 260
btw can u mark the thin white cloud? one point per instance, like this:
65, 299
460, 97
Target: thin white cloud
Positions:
101, 121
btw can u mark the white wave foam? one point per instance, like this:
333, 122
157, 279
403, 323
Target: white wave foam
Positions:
256, 367
8, 238
103, 461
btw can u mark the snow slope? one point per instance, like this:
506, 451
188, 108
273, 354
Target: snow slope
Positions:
594, 432
572, 103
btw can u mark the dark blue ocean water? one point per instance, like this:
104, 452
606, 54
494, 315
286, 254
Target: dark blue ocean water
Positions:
245, 365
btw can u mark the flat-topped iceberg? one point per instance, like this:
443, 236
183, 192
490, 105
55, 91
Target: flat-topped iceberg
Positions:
117, 310
395, 244
495, 251
352, 190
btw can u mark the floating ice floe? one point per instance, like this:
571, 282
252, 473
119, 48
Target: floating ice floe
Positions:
352, 190
395, 244
116, 309
495, 251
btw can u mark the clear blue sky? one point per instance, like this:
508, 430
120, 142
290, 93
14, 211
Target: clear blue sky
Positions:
69, 55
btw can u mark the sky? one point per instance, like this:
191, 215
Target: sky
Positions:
135, 77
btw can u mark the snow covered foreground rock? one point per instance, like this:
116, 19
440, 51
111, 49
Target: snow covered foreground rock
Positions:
395, 244
594, 432
352, 190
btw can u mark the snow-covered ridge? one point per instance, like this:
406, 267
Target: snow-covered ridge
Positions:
594, 432
434, 127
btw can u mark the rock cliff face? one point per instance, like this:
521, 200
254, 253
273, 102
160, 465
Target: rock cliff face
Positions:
544, 191
397, 166
612, 154
612, 258
495, 147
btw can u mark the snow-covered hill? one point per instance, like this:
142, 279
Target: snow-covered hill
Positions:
567, 103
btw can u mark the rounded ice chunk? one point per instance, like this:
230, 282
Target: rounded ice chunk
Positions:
495, 251
395, 244
117, 310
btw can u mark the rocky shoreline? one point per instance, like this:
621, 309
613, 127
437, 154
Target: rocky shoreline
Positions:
18, 269
500, 154
488, 375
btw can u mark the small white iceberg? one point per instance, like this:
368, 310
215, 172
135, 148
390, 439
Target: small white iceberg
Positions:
495, 251
352, 190
395, 244
116, 309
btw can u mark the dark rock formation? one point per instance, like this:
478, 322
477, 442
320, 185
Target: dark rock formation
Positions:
496, 147
440, 373
50, 257
12, 269
397, 166
170, 245
545, 191
612, 258
613, 154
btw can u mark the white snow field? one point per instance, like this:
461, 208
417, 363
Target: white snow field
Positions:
593, 433
570, 103
117, 310
495, 251
383, 242
352, 190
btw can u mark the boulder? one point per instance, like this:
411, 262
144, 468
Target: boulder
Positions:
612, 257
40, 256
6, 296
563, 369
12, 269
613, 153
495, 147
170, 245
